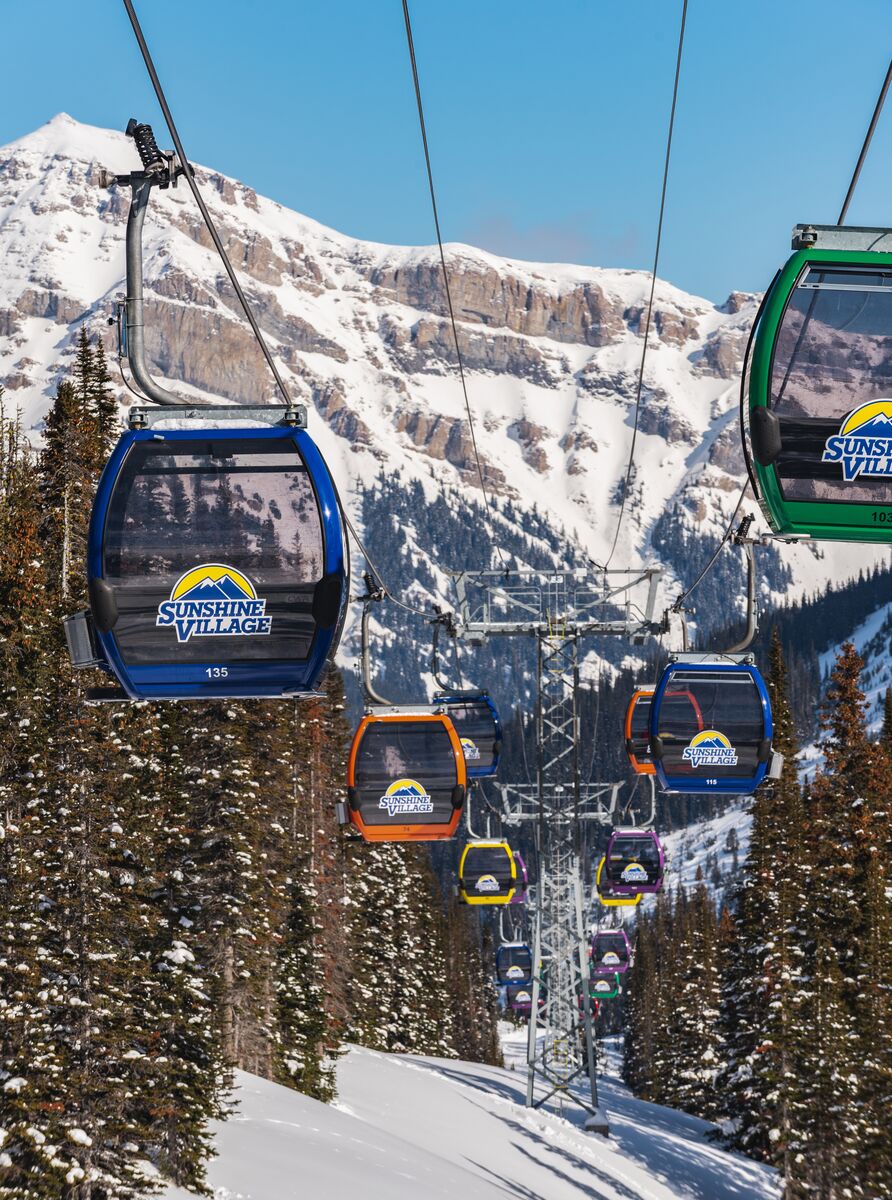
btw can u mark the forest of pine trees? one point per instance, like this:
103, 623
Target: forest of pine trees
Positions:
774, 1015
176, 897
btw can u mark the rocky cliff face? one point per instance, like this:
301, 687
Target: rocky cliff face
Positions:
551, 353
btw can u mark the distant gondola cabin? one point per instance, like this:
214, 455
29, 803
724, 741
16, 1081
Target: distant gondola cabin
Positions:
477, 724
514, 963
611, 952
519, 998
487, 873
607, 896
634, 861
406, 778
604, 987
637, 729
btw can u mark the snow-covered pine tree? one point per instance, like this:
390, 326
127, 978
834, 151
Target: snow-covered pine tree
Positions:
824, 1144
86, 906
847, 823
694, 1023
473, 1001
313, 966
226, 808
764, 958
176, 1043
378, 879
651, 1065
886, 732
873, 1008
643, 1002
31, 1064
669, 919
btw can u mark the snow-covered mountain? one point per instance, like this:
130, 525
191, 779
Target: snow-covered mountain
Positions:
360, 330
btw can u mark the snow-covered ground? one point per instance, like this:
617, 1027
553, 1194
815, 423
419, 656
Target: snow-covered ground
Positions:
408, 1128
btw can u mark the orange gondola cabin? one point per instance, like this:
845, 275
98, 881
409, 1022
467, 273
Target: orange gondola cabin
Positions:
406, 778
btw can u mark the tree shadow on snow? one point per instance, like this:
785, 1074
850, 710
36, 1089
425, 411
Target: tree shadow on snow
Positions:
674, 1147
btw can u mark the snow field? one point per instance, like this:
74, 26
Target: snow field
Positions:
409, 1128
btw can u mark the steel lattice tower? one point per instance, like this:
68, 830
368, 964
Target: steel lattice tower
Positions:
558, 609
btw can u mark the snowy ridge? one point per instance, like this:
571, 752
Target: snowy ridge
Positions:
873, 641
708, 847
406, 1127
551, 350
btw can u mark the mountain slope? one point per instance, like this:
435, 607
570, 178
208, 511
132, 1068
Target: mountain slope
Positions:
410, 1127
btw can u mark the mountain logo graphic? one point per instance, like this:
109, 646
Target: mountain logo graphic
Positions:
523, 998
634, 873
611, 958
863, 446
471, 750
405, 797
603, 985
214, 600
515, 972
487, 883
710, 748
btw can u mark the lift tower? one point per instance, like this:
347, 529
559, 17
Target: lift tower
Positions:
559, 609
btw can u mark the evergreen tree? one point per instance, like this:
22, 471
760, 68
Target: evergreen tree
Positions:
765, 957
694, 1027
823, 1134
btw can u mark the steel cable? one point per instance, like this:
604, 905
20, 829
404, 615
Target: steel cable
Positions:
458, 354
199, 199
653, 283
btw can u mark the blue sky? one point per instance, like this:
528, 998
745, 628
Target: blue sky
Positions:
547, 121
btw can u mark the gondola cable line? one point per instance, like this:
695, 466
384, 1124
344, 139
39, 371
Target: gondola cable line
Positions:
868, 138
653, 283
410, 41
233, 277
199, 200
752, 480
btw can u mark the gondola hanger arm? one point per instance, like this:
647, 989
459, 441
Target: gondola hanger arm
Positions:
741, 538
371, 695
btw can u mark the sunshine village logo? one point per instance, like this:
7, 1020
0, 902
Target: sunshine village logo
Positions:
404, 797
709, 748
634, 873
863, 446
214, 600
471, 750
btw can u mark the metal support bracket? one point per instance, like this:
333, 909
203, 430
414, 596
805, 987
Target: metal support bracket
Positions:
182, 416
841, 237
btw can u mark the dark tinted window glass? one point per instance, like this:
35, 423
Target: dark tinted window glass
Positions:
640, 729
513, 959
833, 354
642, 850
473, 720
394, 756
719, 731
245, 505
610, 943
488, 860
